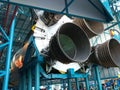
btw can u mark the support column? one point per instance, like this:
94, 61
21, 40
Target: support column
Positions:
29, 79
69, 84
9, 51
49, 87
94, 78
77, 84
64, 84
117, 15
37, 77
98, 77
87, 83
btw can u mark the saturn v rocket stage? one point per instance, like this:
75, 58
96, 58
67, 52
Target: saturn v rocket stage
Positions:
64, 42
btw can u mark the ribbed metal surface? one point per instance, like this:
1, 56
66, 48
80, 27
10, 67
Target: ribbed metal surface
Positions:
92, 28
107, 54
70, 44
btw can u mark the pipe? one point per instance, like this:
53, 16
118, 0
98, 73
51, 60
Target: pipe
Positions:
70, 44
92, 28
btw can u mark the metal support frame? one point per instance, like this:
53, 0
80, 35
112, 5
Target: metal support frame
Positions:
4, 34
97, 74
94, 77
39, 71
99, 10
26, 83
63, 84
69, 84
118, 19
37, 76
116, 13
8, 56
67, 5
77, 84
48, 86
87, 83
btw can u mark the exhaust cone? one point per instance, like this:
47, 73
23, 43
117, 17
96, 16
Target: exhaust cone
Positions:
70, 44
92, 28
107, 54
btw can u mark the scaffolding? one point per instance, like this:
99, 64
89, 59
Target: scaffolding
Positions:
38, 70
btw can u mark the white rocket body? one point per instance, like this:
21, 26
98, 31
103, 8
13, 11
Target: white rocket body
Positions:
43, 34
43, 43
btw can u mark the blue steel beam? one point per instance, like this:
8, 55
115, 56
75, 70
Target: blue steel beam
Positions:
97, 73
8, 57
2, 73
37, 76
67, 5
77, 84
39, 57
48, 86
87, 83
70, 74
117, 15
3, 45
64, 84
112, 25
118, 19
53, 76
76, 75
106, 6
27, 55
94, 77
4, 34
69, 84
39, 70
